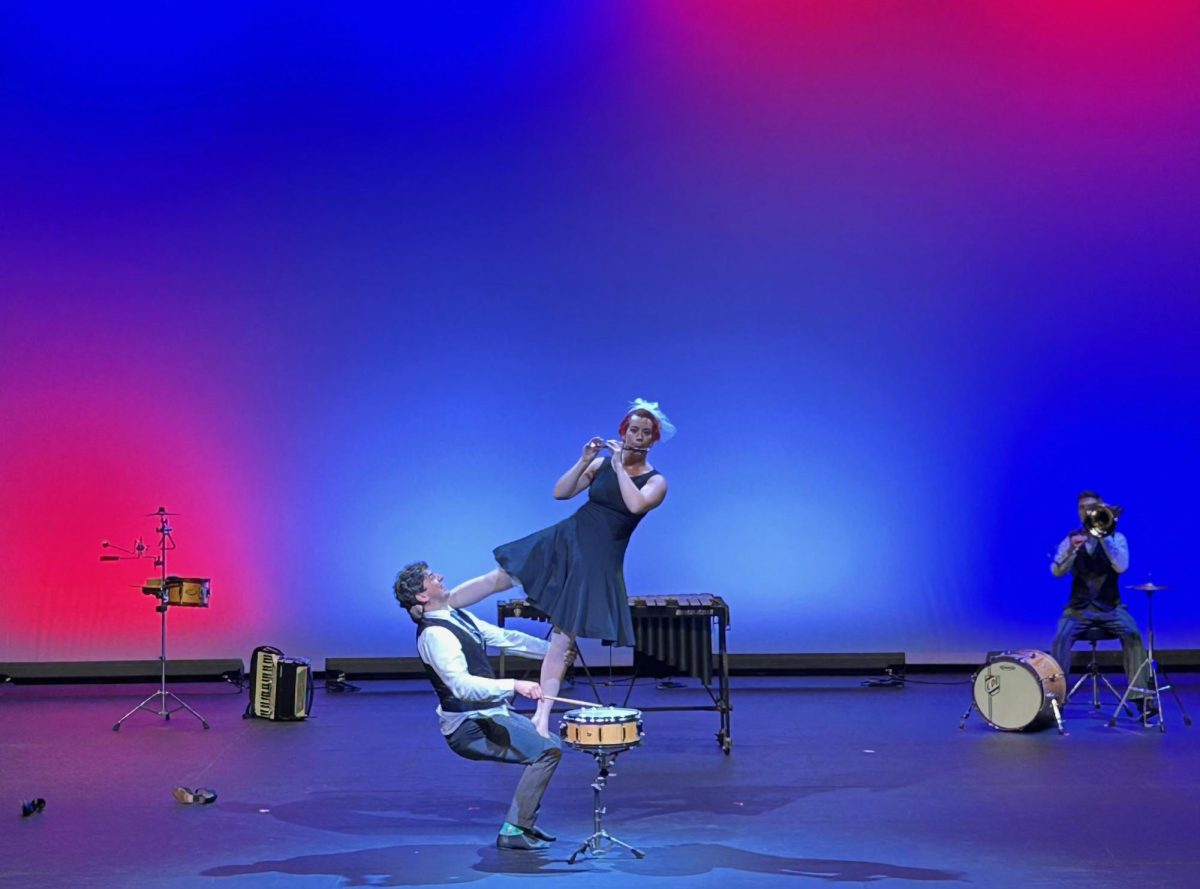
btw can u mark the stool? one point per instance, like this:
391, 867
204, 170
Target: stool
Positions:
1093, 635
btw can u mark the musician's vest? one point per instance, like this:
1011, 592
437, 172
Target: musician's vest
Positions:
1094, 581
477, 665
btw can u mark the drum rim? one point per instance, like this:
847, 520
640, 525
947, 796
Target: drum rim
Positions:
604, 748
627, 714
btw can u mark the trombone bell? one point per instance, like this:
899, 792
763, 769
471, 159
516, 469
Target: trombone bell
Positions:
1100, 521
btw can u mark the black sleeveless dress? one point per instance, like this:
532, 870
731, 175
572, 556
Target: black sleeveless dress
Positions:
575, 571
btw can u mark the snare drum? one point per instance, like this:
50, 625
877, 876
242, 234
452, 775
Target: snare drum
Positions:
190, 592
602, 728
1014, 690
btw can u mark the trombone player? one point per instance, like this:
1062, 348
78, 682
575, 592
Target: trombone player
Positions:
1095, 555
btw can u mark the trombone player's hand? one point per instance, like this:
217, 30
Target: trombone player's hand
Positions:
1077, 538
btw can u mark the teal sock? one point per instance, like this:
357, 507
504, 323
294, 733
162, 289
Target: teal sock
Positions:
510, 830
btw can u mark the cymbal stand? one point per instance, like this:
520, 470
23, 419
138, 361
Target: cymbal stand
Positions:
166, 543
601, 842
1156, 680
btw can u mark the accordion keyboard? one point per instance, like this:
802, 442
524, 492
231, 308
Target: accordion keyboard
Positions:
268, 669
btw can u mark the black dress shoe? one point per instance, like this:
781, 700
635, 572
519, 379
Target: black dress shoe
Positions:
32, 807
540, 834
199, 796
521, 842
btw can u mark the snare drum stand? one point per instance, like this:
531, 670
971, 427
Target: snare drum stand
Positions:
1156, 681
601, 841
166, 543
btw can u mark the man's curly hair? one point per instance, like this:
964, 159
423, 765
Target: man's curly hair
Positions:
410, 582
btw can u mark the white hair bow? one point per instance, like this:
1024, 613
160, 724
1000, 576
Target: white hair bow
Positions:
666, 429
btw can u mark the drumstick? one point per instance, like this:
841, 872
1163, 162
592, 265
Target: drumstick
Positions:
570, 701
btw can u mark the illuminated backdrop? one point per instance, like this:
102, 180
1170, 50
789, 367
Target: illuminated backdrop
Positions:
349, 288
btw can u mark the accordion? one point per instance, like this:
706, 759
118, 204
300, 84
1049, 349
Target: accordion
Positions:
281, 688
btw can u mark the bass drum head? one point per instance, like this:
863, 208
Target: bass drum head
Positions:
1008, 693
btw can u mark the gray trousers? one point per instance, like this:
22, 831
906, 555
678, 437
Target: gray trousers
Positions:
1119, 622
512, 738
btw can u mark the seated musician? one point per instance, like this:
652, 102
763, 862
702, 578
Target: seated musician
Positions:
474, 711
1095, 564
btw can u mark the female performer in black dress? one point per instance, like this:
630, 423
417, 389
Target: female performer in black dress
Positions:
574, 571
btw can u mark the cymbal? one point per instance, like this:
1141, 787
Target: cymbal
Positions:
151, 515
1147, 587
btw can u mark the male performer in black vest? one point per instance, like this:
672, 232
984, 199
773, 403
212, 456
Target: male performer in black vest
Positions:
473, 710
1095, 566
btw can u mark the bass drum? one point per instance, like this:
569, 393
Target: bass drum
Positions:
1017, 690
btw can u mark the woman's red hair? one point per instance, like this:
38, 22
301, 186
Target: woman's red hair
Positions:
645, 415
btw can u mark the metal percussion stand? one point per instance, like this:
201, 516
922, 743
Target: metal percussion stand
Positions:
1157, 681
601, 841
166, 543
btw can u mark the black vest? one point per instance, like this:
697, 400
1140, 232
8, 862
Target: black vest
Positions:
477, 665
1093, 581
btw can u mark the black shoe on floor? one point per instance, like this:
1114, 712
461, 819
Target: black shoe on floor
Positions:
540, 834
520, 842
32, 806
1149, 708
199, 796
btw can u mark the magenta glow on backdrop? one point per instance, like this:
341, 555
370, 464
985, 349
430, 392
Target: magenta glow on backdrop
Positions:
350, 288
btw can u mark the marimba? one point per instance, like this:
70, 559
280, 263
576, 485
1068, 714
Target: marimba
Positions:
673, 635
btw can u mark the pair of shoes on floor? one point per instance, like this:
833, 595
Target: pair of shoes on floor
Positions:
32, 806
197, 797
524, 842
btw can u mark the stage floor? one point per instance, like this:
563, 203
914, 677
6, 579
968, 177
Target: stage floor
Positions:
828, 782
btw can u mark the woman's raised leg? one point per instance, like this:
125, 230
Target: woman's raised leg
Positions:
478, 588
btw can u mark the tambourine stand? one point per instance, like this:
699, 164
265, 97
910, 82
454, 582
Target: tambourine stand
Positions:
1156, 681
161, 696
601, 841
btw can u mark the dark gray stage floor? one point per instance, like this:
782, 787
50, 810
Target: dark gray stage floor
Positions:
828, 782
